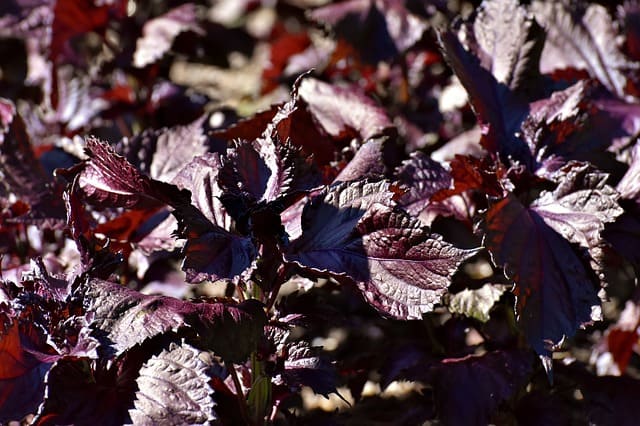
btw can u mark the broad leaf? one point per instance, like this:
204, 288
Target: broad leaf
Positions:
508, 42
580, 206
158, 33
399, 266
107, 179
468, 390
123, 318
173, 387
556, 293
582, 37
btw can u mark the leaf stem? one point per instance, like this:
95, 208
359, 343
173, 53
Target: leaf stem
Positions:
241, 398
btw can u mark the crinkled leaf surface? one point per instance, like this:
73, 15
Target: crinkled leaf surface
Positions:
162, 153
173, 388
424, 177
584, 37
556, 293
123, 318
108, 180
476, 303
211, 251
353, 230
508, 42
580, 206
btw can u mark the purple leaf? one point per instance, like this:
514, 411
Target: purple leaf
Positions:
498, 109
159, 33
508, 42
174, 388
468, 390
424, 177
107, 179
352, 230
124, 318
340, 109
583, 37
580, 206
162, 153
380, 29
212, 250
555, 292
81, 390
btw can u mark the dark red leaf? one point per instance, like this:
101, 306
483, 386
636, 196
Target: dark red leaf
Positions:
73, 18
556, 293
107, 179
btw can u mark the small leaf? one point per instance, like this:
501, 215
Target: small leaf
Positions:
174, 388
476, 303
159, 33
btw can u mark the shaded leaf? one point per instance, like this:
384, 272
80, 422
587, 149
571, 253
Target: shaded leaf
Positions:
424, 177
123, 318
379, 29
555, 292
468, 390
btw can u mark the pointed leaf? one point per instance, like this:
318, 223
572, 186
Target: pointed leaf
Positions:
400, 267
584, 38
555, 292
124, 318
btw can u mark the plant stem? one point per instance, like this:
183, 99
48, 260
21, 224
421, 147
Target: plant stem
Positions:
241, 398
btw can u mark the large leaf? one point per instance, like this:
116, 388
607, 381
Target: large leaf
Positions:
352, 230
498, 109
213, 249
508, 42
173, 387
582, 37
123, 318
468, 390
556, 293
